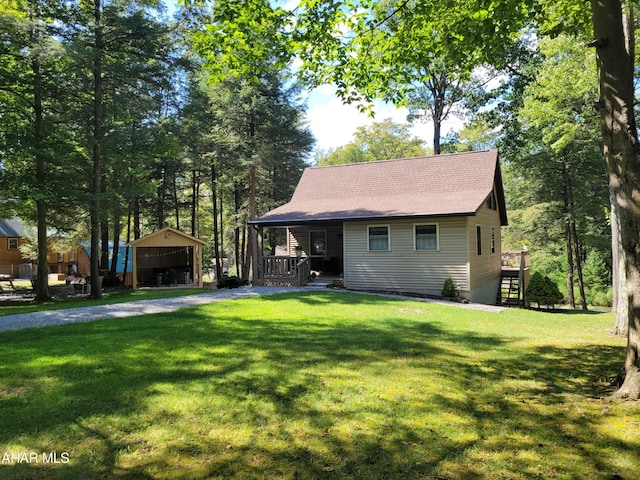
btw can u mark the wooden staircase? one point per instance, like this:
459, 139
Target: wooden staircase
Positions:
510, 290
514, 278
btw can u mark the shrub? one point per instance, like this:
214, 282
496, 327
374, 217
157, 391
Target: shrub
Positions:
543, 291
231, 282
449, 289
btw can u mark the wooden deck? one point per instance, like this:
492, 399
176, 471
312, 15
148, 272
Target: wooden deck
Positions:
284, 271
514, 278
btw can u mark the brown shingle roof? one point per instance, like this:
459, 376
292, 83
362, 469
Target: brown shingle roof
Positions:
452, 184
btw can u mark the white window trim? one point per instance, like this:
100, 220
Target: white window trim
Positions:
422, 224
17, 243
388, 237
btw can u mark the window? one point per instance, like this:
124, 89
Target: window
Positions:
493, 239
426, 237
72, 256
60, 257
12, 244
318, 242
379, 238
491, 202
478, 240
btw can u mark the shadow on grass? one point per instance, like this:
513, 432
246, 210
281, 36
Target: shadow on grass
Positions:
212, 393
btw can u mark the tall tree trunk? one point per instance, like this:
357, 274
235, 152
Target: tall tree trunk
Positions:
567, 236
42, 279
236, 229
619, 300
98, 48
104, 241
615, 57
221, 228
573, 232
245, 253
176, 203
126, 248
216, 232
253, 234
578, 257
113, 271
195, 201
137, 227
438, 113
160, 198
571, 298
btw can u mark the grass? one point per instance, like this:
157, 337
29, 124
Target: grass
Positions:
319, 385
109, 297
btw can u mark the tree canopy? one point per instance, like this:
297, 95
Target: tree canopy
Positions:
370, 49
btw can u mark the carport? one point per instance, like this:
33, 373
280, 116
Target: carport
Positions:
167, 257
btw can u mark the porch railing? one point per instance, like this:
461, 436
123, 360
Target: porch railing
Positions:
285, 270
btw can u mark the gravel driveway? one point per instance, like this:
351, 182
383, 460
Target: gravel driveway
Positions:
142, 307
130, 309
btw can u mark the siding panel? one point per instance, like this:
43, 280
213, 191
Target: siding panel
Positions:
404, 269
485, 269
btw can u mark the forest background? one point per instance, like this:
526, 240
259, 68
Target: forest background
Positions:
113, 124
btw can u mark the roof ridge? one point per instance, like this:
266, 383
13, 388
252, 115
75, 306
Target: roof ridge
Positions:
434, 156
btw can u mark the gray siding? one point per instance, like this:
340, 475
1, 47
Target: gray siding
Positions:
404, 269
485, 269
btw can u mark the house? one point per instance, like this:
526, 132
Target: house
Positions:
60, 262
14, 263
398, 225
11, 237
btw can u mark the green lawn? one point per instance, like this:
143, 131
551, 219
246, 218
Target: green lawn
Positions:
318, 385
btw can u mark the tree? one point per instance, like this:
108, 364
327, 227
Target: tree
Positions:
36, 144
558, 149
343, 43
119, 53
383, 140
440, 94
258, 144
543, 291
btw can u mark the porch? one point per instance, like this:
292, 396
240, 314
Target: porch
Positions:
284, 271
297, 255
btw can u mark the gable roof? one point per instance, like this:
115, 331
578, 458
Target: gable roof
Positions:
11, 228
167, 236
438, 185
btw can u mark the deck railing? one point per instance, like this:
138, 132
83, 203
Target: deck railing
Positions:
304, 271
285, 270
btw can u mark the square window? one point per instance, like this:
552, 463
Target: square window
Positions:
426, 237
379, 238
